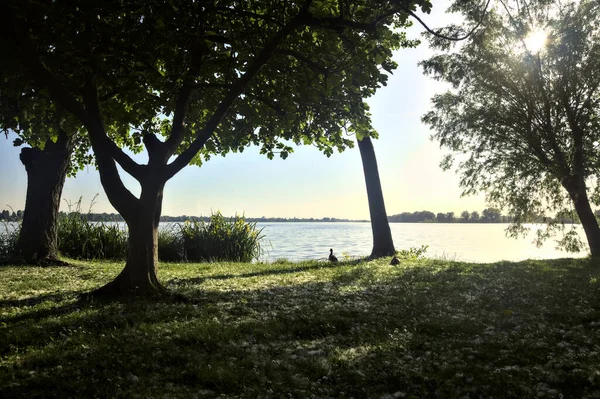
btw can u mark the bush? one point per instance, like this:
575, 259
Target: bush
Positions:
413, 252
221, 239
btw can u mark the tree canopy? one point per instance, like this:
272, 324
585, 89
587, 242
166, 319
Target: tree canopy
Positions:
524, 124
206, 76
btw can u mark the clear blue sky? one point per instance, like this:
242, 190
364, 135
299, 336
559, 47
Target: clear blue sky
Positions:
307, 184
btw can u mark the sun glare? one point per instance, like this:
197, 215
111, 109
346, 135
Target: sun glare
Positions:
535, 40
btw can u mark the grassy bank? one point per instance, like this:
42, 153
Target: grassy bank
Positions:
422, 329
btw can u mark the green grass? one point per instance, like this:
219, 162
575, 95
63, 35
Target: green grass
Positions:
426, 328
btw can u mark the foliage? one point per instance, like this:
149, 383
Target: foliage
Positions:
524, 126
413, 252
80, 239
423, 329
207, 76
221, 239
9, 234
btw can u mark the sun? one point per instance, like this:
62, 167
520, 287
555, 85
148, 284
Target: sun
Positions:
535, 40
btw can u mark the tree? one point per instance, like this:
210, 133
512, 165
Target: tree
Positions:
527, 120
465, 216
210, 77
475, 216
491, 215
56, 149
383, 244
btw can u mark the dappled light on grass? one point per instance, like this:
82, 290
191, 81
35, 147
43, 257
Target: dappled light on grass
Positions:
420, 329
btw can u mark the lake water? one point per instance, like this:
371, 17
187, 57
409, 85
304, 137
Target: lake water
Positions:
456, 241
464, 242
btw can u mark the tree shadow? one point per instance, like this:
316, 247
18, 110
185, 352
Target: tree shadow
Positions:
176, 282
397, 332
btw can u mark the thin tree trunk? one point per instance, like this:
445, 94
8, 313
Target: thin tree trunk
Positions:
577, 190
46, 173
383, 245
140, 275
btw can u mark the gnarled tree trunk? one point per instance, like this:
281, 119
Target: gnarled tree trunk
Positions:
46, 173
575, 186
140, 275
383, 245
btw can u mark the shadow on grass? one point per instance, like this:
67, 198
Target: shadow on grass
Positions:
272, 272
445, 330
34, 300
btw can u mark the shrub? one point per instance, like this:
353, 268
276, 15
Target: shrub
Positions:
221, 239
413, 252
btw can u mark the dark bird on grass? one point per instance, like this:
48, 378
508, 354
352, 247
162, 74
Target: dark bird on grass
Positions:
332, 257
395, 261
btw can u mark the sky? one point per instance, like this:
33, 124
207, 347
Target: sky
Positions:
306, 184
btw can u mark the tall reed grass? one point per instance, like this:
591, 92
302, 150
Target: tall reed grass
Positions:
221, 239
9, 233
80, 239
170, 243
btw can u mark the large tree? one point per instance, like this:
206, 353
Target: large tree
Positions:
525, 119
55, 149
209, 77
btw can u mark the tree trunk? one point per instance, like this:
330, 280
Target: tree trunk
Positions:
46, 173
383, 245
140, 275
575, 186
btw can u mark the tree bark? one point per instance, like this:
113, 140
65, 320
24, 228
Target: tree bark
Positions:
46, 174
140, 275
383, 245
575, 186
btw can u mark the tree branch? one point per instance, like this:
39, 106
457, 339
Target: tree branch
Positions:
98, 136
441, 36
237, 88
312, 64
176, 135
268, 103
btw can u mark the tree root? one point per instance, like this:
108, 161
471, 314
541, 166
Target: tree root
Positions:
122, 289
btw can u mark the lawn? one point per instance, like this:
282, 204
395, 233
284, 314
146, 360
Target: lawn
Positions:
426, 328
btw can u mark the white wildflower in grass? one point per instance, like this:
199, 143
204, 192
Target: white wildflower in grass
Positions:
440, 328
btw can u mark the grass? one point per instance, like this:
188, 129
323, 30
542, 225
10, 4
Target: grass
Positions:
426, 328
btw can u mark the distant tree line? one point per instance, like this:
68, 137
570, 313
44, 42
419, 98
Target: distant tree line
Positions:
115, 217
488, 215
11, 216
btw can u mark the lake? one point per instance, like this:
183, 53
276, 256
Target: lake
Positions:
480, 242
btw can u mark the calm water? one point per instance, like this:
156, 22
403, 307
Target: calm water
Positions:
465, 242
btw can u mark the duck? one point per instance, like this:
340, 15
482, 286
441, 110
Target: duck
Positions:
332, 257
395, 261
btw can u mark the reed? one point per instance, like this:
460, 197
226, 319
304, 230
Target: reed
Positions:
221, 239
170, 243
9, 235
80, 239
